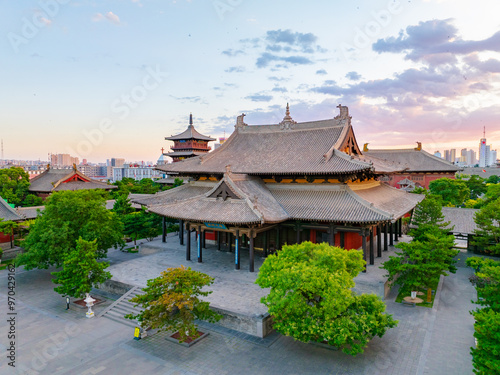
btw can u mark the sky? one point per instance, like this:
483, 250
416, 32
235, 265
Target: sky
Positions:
103, 79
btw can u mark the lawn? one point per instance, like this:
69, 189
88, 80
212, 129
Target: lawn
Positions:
405, 292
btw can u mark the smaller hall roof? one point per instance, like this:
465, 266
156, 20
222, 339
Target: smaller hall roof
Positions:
412, 160
54, 180
461, 219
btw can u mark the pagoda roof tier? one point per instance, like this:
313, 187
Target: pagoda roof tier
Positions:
412, 160
7, 212
325, 147
244, 199
65, 179
178, 154
190, 133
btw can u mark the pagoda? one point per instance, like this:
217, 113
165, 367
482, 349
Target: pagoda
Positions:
189, 143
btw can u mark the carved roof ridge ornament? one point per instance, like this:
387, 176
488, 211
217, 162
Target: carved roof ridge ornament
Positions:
239, 121
343, 116
288, 122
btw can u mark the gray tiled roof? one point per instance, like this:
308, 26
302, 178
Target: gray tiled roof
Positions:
394, 201
50, 181
185, 153
29, 212
256, 202
307, 148
461, 218
179, 193
189, 133
329, 202
413, 160
7, 212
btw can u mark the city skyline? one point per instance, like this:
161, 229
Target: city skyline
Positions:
116, 78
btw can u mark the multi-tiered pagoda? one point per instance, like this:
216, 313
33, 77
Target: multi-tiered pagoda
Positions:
268, 185
189, 143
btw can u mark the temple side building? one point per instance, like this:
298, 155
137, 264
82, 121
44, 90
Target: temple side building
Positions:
189, 143
52, 180
269, 185
419, 167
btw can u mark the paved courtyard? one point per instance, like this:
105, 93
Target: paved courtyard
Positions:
52, 340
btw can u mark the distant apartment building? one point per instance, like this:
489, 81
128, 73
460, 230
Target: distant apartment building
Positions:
117, 162
135, 171
93, 170
438, 154
62, 160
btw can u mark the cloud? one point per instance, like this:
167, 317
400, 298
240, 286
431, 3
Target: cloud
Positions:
321, 72
235, 69
434, 38
192, 99
232, 52
279, 49
110, 16
279, 89
266, 58
353, 76
259, 98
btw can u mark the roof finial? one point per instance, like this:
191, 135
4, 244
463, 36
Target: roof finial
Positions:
287, 122
190, 118
287, 112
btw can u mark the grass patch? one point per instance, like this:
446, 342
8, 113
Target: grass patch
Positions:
5, 263
405, 292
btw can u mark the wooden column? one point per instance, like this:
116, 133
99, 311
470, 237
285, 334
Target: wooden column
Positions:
400, 226
188, 242
386, 245
395, 230
363, 236
298, 230
237, 250
181, 232
230, 242
219, 240
278, 239
199, 245
379, 240
265, 243
331, 235
391, 234
372, 257
342, 240
203, 239
251, 259
163, 229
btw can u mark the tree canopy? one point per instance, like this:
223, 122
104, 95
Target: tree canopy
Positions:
311, 297
14, 187
487, 234
69, 215
81, 270
454, 192
427, 216
171, 302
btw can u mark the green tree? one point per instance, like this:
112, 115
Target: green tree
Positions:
69, 215
487, 234
81, 270
485, 356
122, 205
493, 179
14, 185
32, 200
419, 264
171, 302
492, 193
476, 185
141, 224
453, 192
428, 216
311, 297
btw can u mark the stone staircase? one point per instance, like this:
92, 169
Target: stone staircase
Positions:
122, 307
